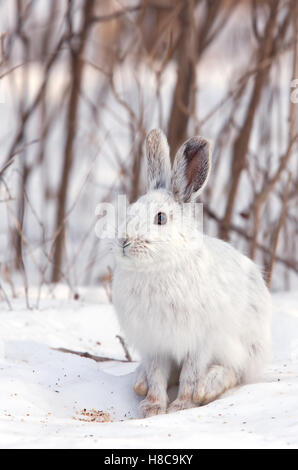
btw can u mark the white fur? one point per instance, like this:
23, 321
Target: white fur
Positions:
201, 310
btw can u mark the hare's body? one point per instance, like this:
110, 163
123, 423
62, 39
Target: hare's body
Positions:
169, 313
196, 309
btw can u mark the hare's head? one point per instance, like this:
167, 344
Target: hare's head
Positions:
164, 223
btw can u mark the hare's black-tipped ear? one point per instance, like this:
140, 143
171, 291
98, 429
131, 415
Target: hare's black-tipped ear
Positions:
158, 160
191, 169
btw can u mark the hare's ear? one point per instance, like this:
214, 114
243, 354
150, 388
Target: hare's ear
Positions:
191, 169
158, 160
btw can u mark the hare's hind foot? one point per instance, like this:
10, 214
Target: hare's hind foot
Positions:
152, 406
181, 403
155, 403
152, 379
218, 380
141, 383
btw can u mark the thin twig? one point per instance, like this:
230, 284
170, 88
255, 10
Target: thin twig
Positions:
291, 264
280, 224
90, 356
126, 352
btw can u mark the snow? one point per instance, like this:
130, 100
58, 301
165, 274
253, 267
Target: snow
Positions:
44, 392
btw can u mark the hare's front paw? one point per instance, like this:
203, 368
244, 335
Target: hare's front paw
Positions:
152, 406
141, 383
180, 404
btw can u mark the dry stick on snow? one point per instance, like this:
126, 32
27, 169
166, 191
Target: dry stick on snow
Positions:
278, 231
126, 352
90, 356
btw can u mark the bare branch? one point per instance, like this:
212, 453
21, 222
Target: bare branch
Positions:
90, 356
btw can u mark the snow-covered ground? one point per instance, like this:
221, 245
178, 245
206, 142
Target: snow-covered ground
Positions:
55, 399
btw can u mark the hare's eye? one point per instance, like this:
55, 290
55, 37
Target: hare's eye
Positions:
160, 218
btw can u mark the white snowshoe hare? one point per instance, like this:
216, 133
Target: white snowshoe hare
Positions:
196, 309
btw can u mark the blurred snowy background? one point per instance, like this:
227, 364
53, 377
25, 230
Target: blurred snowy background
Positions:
81, 84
